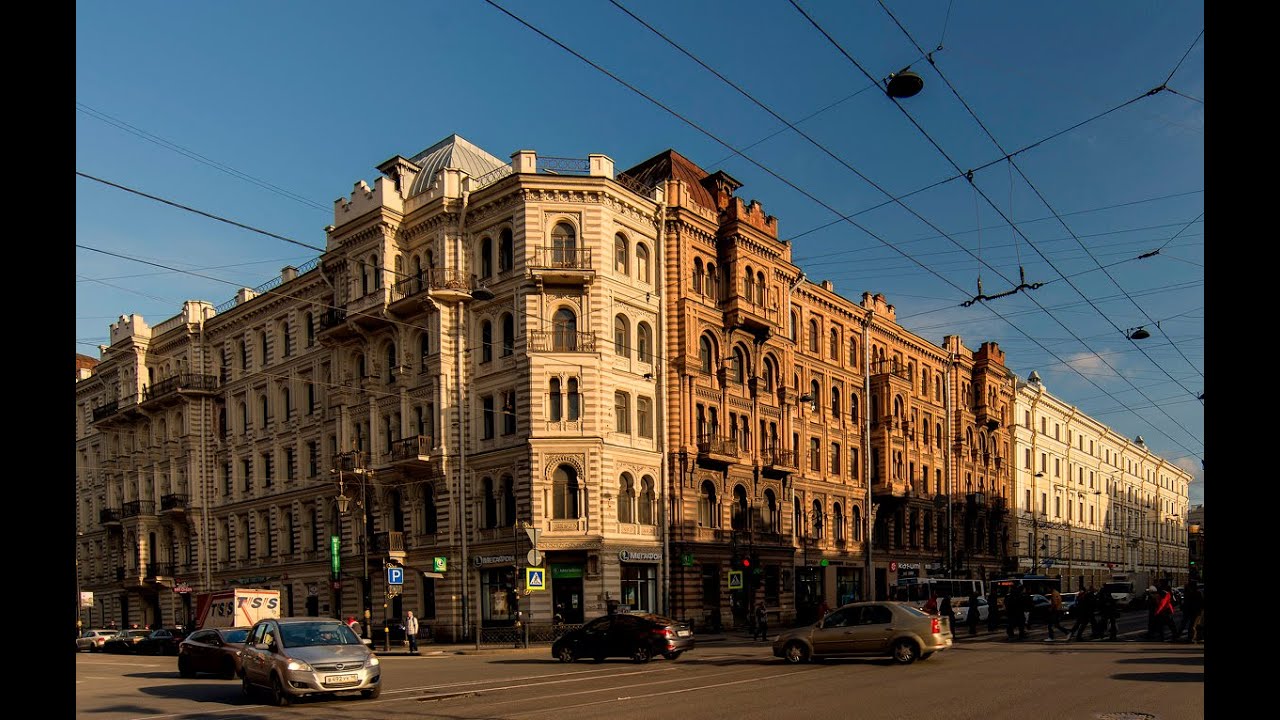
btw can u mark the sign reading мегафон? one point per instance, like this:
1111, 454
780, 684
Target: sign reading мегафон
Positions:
631, 556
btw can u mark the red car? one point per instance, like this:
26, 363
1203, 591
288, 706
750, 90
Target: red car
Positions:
213, 650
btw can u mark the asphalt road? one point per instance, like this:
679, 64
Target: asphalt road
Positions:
734, 679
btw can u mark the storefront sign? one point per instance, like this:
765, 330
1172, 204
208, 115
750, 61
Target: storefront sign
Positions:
481, 560
630, 556
564, 572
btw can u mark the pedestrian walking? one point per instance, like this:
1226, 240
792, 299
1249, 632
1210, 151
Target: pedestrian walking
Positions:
1055, 613
1015, 606
761, 629
1192, 607
1084, 613
972, 616
948, 612
1108, 611
931, 605
411, 631
1150, 599
1164, 613
823, 609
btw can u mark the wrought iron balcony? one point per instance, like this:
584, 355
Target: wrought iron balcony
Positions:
182, 382
717, 449
136, 508
450, 284
391, 541
106, 409
412, 450
563, 265
173, 502
778, 459
109, 516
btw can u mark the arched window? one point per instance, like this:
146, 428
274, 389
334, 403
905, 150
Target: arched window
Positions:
797, 518
508, 502
377, 271
705, 351
794, 327
736, 372
264, 407
644, 343
486, 341
490, 503
508, 334
647, 501
740, 518
697, 275
897, 407
626, 499
853, 352
853, 407
855, 520
767, 375
769, 516
816, 518
621, 335
564, 488
417, 274
760, 288
937, 427
286, 404
429, 518
837, 523
575, 400
564, 246
621, 255
486, 258
815, 390
642, 263
813, 336
505, 252
564, 327
835, 344
713, 282
749, 284
391, 362
554, 400
284, 338
835, 401
424, 346
708, 511
262, 341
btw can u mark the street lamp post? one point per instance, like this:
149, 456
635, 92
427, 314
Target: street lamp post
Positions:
363, 504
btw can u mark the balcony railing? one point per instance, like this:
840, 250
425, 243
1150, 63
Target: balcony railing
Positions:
890, 367
712, 445
562, 258
778, 457
173, 501
561, 341
108, 516
414, 447
181, 381
390, 541
450, 279
332, 318
136, 508
106, 409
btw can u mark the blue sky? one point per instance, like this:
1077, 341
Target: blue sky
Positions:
306, 98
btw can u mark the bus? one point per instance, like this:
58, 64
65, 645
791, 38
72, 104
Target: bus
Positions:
1031, 584
918, 590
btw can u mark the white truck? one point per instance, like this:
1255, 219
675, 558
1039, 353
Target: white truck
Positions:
236, 607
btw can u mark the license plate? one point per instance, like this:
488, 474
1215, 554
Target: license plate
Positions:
340, 679
683, 633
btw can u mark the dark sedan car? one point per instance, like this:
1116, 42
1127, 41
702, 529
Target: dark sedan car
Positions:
639, 636
215, 650
126, 642
162, 641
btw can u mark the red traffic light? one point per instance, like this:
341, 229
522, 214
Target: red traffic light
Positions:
746, 562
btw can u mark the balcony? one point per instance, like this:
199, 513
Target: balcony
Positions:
351, 461
567, 341
155, 571
889, 491
390, 543
777, 460
754, 317
450, 284
413, 451
109, 517
176, 387
717, 450
333, 325
173, 503
137, 508
106, 410
562, 266
406, 293
367, 309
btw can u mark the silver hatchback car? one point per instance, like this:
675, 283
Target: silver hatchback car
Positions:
300, 656
894, 629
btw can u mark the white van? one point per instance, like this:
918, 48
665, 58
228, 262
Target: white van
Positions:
1121, 591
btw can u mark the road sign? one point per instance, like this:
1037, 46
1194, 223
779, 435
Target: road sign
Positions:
534, 557
533, 535
686, 560
535, 578
440, 564
395, 575
735, 579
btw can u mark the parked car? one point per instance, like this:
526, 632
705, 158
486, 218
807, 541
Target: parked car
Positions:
895, 629
639, 636
300, 656
125, 642
961, 607
215, 650
162, 641
92, 640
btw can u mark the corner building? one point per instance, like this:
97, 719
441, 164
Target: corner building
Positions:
800, 423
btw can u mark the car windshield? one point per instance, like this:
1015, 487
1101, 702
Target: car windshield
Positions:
235, 636
307, 634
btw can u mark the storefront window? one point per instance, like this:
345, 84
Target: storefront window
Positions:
848, 585
498, 601
639, 587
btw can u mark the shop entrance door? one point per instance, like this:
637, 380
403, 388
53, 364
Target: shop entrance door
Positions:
566, 592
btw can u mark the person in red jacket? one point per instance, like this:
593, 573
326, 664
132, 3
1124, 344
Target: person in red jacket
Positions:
1164, 613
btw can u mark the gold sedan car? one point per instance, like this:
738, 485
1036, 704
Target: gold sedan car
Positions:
890, 629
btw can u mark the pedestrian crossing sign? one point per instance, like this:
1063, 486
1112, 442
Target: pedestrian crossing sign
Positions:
735, 579
535, 578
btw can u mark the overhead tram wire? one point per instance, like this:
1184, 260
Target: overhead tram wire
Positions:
993, 206
1045, 200
170, 145
790, 184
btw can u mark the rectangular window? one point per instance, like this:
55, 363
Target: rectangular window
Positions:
509, 413
226, 479
622, 412
1057, 467
835, 458
644, 416
487, 402
639, 587
1026, 419
289, 472
854, 465
266, 469
313, 458
815, 455
1044, 462
1026, 458
246, 471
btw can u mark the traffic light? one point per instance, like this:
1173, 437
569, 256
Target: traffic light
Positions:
746, 563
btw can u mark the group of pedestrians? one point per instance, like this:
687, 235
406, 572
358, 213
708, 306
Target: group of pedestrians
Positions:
1160, 604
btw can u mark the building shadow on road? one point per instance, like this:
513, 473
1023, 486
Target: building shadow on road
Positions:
1164, 661
1161, 677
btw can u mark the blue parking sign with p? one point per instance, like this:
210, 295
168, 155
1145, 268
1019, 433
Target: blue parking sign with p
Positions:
395, 576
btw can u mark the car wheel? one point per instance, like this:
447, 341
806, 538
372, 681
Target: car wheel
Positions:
905, 652
674, 655
184, 668
641, 654
372, 693
795, 652
566, 654
278, 694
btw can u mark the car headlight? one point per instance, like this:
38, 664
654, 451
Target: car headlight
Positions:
374, 661
298, 665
